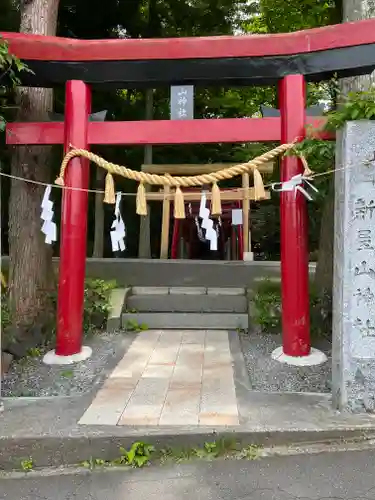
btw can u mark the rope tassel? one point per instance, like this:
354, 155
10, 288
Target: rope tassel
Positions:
259, 191
60, 181
179, 204
141, 200
109, 190
215, 200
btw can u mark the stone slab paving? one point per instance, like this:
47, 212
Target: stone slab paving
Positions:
170, 378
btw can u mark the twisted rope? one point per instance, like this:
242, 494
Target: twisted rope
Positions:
175, 181
168, 180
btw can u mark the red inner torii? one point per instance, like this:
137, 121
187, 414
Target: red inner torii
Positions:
78, 131
187, 231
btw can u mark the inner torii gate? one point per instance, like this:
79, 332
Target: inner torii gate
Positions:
285, 59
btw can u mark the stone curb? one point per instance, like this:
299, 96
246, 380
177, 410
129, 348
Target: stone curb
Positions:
59, 450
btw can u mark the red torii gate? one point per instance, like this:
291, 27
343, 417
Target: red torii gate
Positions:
286, 59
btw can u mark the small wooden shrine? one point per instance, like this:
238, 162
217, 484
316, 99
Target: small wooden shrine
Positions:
234, 242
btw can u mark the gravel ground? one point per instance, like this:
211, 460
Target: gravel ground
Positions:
32, 378
269, 375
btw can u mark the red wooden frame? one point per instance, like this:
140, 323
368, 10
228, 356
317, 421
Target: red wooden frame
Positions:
47, 48
160, 131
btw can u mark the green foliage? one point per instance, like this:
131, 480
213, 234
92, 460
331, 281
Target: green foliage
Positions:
267, 306
138, 455
96, 311
34, 352
319, 154
222, 448
5, 312
354, 106
208, 451
92, 462
267, 309
132, 325
141, 454
97, 303
10, 67
27, 464
280, 16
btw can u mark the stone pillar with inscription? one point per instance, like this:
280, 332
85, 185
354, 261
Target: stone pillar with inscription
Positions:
353, 350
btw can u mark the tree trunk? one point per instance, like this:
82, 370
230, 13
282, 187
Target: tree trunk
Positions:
356, 10
31, 272
99, 216
144, 247
353, 10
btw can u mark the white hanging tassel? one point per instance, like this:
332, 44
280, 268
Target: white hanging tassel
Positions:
49, 227
207, 223
118, 232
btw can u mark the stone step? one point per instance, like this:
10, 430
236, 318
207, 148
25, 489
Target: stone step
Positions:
187, 321
186, 290
187, 303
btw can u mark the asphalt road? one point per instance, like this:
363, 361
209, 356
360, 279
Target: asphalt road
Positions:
344, 475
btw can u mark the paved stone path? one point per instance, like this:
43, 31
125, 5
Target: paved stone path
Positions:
170, 377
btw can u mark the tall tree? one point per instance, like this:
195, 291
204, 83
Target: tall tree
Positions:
355, 10
30, 258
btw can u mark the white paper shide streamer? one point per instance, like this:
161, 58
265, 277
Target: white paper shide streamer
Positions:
118, 231
295, 184
207, 223
49, 227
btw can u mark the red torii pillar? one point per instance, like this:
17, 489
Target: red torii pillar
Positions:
73, 231
296, 347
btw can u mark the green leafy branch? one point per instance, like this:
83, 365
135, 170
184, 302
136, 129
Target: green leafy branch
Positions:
354, 106
10, 67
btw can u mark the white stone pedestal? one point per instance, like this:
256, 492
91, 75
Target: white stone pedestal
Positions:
315, 357
51, 358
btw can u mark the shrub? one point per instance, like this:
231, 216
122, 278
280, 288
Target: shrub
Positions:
267, 309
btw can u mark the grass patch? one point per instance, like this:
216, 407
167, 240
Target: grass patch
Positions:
141, 454
267, 309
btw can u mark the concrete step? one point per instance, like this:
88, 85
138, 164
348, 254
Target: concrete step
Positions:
187, 303
190, 321
186, 290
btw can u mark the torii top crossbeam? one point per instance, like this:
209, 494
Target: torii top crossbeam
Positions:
346, 49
